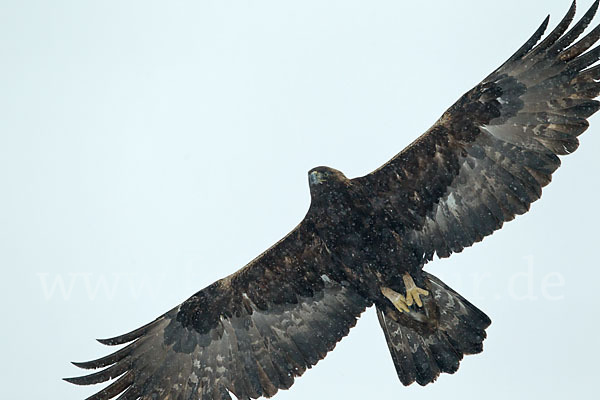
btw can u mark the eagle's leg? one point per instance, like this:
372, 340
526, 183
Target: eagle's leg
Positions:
413, 292
396, 298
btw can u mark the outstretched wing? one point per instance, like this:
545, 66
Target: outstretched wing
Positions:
249, 334
488, 157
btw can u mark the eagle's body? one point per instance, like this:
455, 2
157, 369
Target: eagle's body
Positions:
357, 234
364, 242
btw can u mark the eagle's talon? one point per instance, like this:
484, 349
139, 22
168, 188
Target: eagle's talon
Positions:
396, 298
413, 292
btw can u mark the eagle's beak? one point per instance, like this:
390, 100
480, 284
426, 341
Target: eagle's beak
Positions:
315, 177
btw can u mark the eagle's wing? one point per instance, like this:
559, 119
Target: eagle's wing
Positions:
249, 334
488, 157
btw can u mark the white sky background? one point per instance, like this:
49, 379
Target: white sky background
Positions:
149, 148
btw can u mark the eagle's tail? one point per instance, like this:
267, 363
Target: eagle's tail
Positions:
433, 339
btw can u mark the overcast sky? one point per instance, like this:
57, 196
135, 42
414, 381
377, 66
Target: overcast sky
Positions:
149, 148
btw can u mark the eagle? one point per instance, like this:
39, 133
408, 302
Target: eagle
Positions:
364, 242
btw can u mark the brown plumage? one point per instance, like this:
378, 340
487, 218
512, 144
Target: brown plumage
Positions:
364, 242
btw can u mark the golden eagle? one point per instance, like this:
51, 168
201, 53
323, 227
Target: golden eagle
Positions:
364, 242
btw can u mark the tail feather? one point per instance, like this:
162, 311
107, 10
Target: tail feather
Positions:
431, 340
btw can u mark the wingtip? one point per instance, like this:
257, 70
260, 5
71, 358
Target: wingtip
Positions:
113, 341
79, 381
70, 380
545, 23
131, 336
591, 12
107, 342
80, 364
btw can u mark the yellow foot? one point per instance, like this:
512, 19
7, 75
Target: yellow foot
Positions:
412, 291
396, 298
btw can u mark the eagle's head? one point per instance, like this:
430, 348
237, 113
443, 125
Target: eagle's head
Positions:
325, 179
